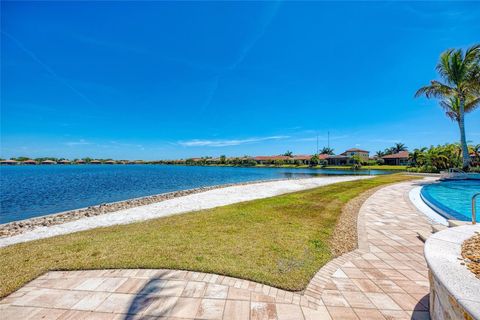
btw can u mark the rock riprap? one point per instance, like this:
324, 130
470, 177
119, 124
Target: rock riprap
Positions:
19, 227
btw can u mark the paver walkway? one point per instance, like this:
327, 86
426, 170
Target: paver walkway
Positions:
386, 278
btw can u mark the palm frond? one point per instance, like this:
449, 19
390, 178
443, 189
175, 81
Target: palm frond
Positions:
436, 90
444, 66
472, 104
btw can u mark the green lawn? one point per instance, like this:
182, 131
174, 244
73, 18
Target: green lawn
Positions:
281, 241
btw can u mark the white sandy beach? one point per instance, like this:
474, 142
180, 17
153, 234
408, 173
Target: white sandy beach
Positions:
204, 200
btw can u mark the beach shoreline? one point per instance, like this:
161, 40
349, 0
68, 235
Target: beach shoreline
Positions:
197, 199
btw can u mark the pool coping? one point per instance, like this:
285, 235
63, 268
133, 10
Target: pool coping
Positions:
421, 205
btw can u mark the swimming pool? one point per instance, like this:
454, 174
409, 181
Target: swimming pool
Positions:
452, 198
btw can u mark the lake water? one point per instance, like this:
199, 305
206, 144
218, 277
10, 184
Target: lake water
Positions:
31, 191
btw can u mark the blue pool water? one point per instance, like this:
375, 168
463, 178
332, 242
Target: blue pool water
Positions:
30, 191
452, 198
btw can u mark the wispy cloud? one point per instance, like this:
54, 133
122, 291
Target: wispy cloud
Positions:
386, 140
226, 143
322, 138
80, 142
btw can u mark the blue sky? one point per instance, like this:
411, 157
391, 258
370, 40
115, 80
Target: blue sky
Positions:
156, 80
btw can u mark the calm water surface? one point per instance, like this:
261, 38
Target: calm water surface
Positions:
31, 191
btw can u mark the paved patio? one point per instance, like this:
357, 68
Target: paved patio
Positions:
386, 278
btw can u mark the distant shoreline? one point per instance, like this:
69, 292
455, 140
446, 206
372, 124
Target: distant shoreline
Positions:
288, 166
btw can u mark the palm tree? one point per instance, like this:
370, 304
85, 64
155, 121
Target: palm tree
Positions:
379, 154
461, 74
414, 157
389, 151
398, 147
326, 150
451, 105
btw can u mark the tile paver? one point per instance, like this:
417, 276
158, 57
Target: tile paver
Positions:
386, 278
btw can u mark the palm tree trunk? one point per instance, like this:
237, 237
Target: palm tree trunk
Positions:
463, 140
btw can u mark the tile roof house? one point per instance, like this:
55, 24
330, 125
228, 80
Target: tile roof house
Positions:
302, 157
363, 154
338, 160
10, 162
345, 157
49, 162
400, 158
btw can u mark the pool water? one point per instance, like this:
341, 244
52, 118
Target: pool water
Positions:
452, 198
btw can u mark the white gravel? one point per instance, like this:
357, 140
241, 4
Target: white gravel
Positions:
198, 201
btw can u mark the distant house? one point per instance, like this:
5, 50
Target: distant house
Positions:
80, 161
29, 161
363, 154
8, 162
303, 158
49, 162
110, 162
64, 161
397, 159
339, 160
345, 158
95, 162
270, 159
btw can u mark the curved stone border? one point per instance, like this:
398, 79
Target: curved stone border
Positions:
417, 200
454, 290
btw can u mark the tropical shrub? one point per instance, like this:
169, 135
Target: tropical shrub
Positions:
436, 158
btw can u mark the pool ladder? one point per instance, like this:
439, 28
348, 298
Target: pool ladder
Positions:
474, 200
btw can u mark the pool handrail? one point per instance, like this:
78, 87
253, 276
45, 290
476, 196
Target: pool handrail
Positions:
474, 200
453, 174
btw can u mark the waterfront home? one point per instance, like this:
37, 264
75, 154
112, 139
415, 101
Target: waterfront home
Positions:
8, 162
110, 162
49, 162
362, 154
29, 161
338, 160
80, 161
397, 159
64, 161
302, 158
270, 159
345, 158
95, 162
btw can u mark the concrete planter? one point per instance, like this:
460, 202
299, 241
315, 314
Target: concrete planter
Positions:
454, 290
